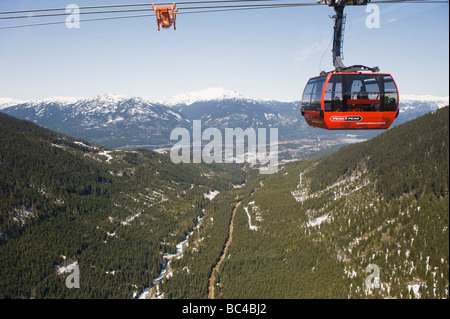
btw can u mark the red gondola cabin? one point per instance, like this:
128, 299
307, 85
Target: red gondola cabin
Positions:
350, 100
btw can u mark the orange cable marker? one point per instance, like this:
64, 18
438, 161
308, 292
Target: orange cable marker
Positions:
165, 16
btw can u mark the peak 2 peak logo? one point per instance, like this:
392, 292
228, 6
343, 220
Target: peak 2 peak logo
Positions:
344, 118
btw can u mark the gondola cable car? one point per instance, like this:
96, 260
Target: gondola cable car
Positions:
355, 97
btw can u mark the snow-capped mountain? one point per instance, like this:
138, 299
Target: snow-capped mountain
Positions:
123, 121
439, 101
108, 119
413, 106
211, 94
244, 113
7, 102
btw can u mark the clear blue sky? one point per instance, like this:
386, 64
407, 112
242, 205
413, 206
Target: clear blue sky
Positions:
268, 53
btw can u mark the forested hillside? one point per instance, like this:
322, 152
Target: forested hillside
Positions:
138, 225
113, 213
312, 229
385, 202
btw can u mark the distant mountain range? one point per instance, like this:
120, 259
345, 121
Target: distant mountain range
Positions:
119, 121
108, 119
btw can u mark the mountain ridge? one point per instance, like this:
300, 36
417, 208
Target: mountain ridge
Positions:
208, 94
127, 122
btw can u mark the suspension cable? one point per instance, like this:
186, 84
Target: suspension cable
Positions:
196, 9
130, 5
